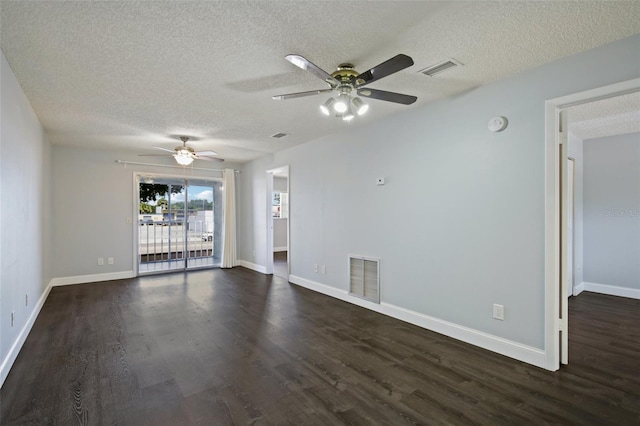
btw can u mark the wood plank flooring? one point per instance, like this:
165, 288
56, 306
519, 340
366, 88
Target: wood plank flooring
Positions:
280, 266
232, 347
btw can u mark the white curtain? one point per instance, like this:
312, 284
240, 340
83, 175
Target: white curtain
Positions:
229, 253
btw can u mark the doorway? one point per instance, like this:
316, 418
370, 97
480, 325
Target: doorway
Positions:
180, 224
278, 218
557, 216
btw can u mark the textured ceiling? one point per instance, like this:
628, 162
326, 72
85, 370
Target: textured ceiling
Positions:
607, 117
130, 75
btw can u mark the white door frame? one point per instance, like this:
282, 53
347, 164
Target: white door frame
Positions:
571, 201
554, 285
269, 239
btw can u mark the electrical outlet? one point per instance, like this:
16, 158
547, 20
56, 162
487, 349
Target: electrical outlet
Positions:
12, 315
110, 261
100, 261
324, 269
498, 312
315, 268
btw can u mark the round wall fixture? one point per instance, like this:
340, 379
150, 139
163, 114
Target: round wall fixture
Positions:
497, 124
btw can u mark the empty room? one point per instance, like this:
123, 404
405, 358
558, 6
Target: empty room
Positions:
319, 212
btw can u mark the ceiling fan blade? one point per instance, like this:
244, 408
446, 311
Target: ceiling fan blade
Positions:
220, 160
154, 155
382, 95
173, 151
206, 153
395, 64
301, 94
307, 65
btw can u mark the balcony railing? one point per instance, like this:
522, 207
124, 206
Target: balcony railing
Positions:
162, 241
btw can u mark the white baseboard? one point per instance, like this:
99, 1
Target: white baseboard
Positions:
578, 289
612, 290
484, 340
275, 249
82, 279
8, 360
253, 266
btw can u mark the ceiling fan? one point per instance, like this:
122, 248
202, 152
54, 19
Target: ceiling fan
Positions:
185, 155
346, 80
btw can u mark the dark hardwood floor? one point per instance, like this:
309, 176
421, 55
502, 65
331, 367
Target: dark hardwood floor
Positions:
280, 266
224, 347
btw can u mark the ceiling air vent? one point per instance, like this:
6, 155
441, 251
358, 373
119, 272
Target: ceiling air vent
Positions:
440, 67
279, 135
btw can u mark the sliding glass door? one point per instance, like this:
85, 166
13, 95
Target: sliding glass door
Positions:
180, 224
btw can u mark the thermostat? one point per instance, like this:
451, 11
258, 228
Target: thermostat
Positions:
498, 124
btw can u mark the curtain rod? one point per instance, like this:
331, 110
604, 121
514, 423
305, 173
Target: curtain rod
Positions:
125, 162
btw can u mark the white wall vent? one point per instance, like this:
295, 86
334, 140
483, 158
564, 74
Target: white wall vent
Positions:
364, 277
440, 67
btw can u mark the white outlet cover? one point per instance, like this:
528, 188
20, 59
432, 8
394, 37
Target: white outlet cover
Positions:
497, 124
498, 312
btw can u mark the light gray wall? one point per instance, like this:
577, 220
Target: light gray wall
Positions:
612, 211
279, 184
94, 196
459, 224
25, 211
576, 152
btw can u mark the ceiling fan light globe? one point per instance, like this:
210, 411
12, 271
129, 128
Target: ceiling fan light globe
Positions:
360, 106
343, 103
326, 107
340, 107
348, 117
183, 160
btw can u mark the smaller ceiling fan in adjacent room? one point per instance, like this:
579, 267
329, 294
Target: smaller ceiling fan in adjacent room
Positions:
346, 80
184, 154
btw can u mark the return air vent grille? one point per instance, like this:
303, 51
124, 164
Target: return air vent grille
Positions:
364, 278
440, 67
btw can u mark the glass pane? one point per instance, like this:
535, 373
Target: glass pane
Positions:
160, 237
204, 225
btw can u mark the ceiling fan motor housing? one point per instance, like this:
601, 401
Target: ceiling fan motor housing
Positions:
345, 74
